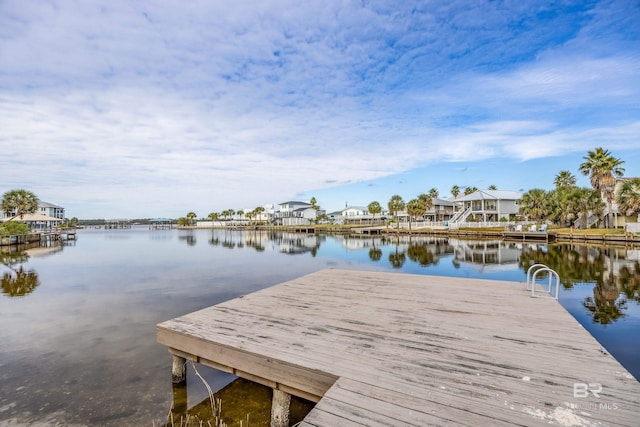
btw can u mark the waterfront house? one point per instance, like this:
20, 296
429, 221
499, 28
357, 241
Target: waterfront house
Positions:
37, 222
614, 217
487, 205
44, 209
441, 210
355, 212
295, 213
49, 209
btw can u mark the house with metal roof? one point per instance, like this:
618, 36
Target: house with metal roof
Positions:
487, 205
36, 222
441, 210
295, 213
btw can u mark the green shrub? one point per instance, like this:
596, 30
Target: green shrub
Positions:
11, 228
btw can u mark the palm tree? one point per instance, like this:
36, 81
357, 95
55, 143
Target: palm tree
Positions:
191, 216
314, 205
455, 190
534, 204
629, 197
603, 169
395, 205
470, 190
426, 200
415, 208
213, 216
258, 211
581, 202
492, 187
434, 193
564, 179
22, 202
374, 208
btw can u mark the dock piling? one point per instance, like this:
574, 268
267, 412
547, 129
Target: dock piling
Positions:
280, 408
178, 369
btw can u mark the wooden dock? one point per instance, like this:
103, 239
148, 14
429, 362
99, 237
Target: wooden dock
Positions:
391, 349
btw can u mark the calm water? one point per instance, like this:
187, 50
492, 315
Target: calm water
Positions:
77, 323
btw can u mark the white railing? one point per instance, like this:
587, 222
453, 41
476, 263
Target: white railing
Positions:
460, 216
632, 227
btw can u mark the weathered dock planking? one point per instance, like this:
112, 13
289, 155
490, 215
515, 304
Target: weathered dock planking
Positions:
391, 349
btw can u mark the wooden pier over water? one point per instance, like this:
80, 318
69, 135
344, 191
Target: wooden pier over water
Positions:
391, 349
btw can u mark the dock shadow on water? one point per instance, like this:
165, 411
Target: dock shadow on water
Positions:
242, 403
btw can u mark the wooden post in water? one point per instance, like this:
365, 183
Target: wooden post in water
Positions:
180, 402
178, 369
280, 408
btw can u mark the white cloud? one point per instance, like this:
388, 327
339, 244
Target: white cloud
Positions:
153, 109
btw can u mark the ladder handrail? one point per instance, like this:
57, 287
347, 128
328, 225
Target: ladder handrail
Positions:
529, 273
531, 280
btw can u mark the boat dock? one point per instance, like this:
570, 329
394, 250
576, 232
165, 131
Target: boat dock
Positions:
393, 349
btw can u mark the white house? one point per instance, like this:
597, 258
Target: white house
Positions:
614, 217
44, 209
296, 213
441, 210
355, 212
487, 205
37, 222
49, 209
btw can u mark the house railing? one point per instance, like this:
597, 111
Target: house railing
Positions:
460, 216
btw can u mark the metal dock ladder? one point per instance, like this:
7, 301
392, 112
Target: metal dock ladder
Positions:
533, 272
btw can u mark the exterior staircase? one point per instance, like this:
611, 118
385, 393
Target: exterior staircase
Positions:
460, 216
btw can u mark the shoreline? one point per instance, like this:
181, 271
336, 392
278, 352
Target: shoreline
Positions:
551, 236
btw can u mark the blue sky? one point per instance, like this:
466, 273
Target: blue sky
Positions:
143, 109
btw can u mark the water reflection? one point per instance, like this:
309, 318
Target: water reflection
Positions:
190, 238
112, 291
614, 271
17, 281
240, 403
20, 282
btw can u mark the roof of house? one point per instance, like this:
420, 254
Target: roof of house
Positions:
490, 195
32, 217
441, 202
293, 202
44, 204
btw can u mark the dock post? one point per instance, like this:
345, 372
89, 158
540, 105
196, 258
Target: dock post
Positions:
178, 369
180, 402
280, 408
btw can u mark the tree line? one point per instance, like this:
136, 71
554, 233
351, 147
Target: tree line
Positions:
567, 204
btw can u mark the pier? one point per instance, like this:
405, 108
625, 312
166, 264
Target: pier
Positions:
392, 349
